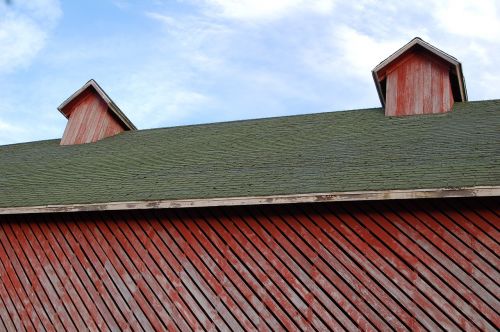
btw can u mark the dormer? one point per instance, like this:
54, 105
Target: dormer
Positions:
92, 116
419, 79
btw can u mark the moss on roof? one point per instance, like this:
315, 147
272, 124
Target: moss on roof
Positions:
358, 150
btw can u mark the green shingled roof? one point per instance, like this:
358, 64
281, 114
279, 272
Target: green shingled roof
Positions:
359, 150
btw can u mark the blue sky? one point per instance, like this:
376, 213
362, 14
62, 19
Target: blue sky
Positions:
175, 62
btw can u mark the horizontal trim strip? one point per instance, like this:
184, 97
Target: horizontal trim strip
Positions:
262, 200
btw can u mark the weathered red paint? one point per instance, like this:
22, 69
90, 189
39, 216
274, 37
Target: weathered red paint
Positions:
89, 119
417, 83
404, 265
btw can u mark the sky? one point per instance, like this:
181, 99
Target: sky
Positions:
176, 62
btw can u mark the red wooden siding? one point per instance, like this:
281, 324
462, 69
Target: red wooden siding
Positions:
417, 83
89, 120
430, 264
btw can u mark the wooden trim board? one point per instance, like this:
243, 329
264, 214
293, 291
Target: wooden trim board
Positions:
262, 200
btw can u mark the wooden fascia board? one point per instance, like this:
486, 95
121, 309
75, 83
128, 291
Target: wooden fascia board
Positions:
484, 191
79, 91
420, 42
461, 82
379, 88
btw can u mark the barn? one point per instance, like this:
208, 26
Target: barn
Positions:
376, 219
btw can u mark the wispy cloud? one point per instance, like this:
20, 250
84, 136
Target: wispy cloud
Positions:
478, 19
9, 130
122, 4
197, 40
171, 62
216, 56
168, 86
367, 32
304, 48
265, 9
152, 101
348, 52
20, 41
24, 27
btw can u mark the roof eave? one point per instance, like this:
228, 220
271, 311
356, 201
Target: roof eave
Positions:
480, 191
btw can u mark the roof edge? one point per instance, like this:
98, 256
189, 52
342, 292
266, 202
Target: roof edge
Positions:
480, 191
417, 41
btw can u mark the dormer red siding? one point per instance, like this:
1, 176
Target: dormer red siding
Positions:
92, 116
419, 79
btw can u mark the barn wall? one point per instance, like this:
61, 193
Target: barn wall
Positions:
374, 265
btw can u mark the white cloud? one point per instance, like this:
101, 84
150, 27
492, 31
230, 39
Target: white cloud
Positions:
488, 84
164, 103
8, 131
45, 11
122, 4
347, 51
266, 9
477, 52
478, 19
156, 94
20, 41
339, 48
213, 60
24, 27
198, 41
4, 126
